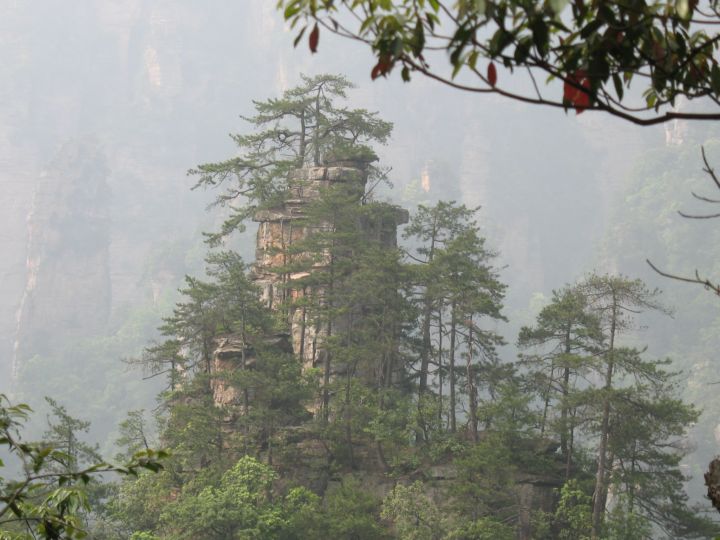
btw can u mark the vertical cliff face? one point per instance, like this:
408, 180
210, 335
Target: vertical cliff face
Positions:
281, 227
67, 293
278, 229
158, 83
17, 192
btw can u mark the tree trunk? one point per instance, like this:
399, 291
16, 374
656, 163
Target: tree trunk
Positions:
347, 413
427, 313
246, 397
425, 349
173, 375
571, 444
426, 346
565, 448
303, 324
207, 354
328, 305
303, 144
546, 405
316, 134
451, 366
326, 380
471, 388
600, 494
440, 368
348, 420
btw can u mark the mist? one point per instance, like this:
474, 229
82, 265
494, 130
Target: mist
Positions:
106, 105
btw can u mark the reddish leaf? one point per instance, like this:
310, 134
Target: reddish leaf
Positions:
383, 66
576, 90
314, 38
492, 74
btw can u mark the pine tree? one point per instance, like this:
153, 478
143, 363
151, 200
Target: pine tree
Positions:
194, 324
566, 336
135, 434
351, 281
64, 435
473, 295
635, 419
647, 432
304, 127
454, 282
613, 299
433, 228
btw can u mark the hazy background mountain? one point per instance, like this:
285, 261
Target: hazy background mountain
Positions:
105, 104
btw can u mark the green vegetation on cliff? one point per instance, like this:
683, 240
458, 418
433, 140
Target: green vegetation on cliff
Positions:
345, 387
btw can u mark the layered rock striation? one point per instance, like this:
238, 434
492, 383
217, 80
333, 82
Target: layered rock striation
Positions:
280, 228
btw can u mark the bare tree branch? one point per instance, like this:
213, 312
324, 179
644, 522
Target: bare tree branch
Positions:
696, 280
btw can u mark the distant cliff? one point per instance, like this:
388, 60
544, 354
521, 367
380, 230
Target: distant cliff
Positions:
68, 292
121, 100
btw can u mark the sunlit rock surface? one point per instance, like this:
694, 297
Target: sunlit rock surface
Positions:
280, 227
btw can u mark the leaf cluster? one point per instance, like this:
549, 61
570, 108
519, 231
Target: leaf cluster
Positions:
49, 498
599, 50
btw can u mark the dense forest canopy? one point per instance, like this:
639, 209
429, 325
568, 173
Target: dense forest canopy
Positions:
342, 385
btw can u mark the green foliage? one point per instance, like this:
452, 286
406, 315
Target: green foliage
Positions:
400, 376
454, 288
352, 281
352, 512
277, 390
212, 488
139, 502
304, 126
226, 304
485, 528
143, 536
134, 434
572, 516
63, 435
564, 342
240, 503
50, 497
633, 416
623, 522
195, 430
240, 506
414, 515
303, 515
646, 213
485, 485
600, 51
